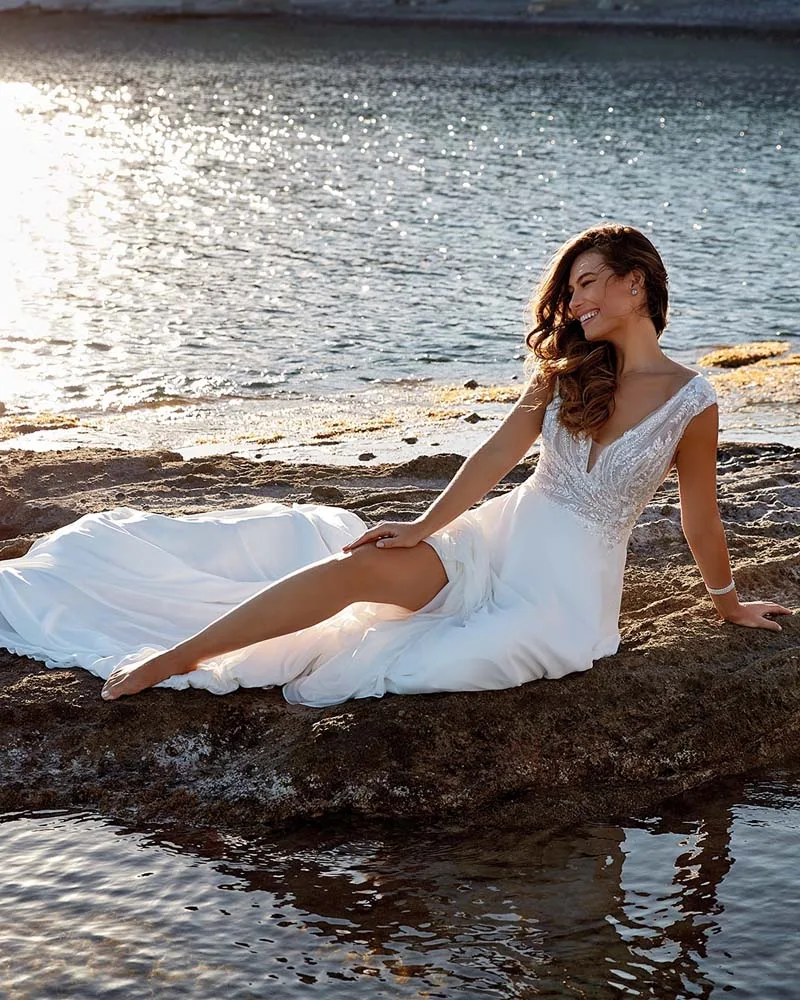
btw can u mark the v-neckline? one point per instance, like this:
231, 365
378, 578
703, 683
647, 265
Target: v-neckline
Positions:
588, 470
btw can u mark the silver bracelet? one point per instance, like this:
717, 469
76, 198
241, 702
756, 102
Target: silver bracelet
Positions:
722, 590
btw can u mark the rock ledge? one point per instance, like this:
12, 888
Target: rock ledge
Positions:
687, 699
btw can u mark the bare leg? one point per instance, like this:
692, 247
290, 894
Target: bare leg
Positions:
409, 577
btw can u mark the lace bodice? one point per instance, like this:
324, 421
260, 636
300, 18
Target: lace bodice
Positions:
610, 496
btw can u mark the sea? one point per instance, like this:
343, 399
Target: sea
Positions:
213, 223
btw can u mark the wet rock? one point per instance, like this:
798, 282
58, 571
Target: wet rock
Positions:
473, 418
435, 467
326, 494
686, 699
16, 547
774, 382
743, 354
471, 383
366, 456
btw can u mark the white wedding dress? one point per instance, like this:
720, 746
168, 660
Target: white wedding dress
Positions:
534, 581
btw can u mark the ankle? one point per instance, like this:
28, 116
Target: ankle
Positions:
178, 659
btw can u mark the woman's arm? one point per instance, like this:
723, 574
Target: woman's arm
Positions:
696, 462
482, 471
490, 462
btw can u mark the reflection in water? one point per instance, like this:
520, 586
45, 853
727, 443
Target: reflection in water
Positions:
679, 905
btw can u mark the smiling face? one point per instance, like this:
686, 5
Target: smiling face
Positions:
601, 301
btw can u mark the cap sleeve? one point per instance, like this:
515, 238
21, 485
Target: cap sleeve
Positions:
704, 395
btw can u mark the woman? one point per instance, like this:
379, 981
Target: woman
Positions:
524, 586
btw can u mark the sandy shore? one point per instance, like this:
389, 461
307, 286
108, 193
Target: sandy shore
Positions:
686, 699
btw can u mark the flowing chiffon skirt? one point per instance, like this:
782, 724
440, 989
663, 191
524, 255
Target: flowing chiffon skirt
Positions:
531, 593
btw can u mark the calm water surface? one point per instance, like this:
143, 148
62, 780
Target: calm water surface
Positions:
700, 899
226, 210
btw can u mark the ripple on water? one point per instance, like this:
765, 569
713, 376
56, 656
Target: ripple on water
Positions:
698, 898
190, 197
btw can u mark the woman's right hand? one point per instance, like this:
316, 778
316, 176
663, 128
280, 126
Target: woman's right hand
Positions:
390, 535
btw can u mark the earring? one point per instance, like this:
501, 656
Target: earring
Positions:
634, 291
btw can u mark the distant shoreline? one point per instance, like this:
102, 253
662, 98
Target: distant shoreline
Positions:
638, 23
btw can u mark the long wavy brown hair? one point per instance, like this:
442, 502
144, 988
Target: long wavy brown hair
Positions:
587, 372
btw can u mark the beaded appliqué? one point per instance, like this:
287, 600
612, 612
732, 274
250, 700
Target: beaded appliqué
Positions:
609, 498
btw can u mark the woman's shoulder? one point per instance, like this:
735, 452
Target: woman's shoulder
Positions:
697, 393
681, 373
700, 384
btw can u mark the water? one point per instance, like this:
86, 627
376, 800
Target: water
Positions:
698, 899
217, 212
205, 217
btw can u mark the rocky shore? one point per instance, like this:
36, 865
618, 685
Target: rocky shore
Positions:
686, 699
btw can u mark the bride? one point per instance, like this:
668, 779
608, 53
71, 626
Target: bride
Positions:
526, 585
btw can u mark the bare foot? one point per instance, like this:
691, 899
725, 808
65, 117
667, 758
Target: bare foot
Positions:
124, 680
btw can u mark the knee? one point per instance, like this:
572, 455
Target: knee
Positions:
365, 555
372, 571
405, 576
366, 564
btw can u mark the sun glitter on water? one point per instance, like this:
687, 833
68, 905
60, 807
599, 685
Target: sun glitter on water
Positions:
48, 207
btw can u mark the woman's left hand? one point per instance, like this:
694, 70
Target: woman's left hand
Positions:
751, 614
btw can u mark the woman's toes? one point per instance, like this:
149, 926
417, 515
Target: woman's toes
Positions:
119, 683
132, 680
112, 688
